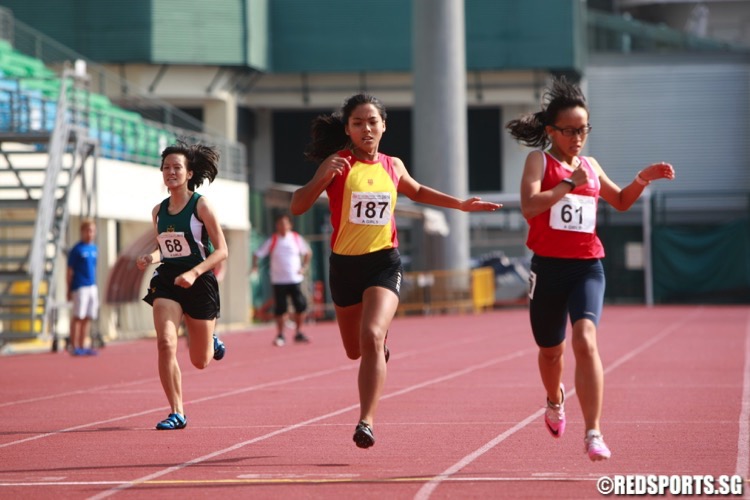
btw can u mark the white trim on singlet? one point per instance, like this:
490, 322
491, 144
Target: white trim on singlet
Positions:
544, 162
593, 173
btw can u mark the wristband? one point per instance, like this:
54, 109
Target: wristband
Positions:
640, 180
570, 181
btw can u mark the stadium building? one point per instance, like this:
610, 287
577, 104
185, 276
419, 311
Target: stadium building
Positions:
666, 81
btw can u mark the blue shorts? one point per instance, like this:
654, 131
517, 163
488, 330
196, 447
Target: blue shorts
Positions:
351, 275
559, 288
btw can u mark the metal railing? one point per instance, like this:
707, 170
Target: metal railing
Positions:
447, 291
621, 33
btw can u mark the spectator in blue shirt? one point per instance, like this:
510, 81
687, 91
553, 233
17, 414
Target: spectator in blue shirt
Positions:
82, 289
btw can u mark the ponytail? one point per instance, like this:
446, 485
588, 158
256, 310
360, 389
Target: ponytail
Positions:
202, 160
328, 136
329, 131
530, 129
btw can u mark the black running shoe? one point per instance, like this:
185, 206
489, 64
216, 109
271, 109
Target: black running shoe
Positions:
301, 338
219, 348
363, 436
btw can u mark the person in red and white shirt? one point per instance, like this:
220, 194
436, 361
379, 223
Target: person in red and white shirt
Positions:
560, 190
289, 256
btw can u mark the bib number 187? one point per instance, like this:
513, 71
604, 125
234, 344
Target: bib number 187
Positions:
372, 209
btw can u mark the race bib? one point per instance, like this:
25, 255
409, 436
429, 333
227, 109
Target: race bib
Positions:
371, 209
173, 244
574, 212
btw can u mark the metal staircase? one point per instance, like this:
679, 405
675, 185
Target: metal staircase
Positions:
38, 167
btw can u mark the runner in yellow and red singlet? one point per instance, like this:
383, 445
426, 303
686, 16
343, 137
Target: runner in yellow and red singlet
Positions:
365, 271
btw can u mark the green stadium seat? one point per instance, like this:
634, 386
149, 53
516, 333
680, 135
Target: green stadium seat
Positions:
121, 132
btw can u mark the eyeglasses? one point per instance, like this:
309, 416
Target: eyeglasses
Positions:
570, 132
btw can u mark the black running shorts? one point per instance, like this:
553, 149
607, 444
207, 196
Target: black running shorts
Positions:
351, 275
200, 301
294, 292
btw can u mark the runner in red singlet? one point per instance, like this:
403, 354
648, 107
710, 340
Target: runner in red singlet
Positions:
560, 190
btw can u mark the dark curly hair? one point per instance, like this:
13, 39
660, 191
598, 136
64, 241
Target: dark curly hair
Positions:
327, 131
202, 160
561, 95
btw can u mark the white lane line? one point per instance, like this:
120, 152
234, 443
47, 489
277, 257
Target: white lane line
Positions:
429, 487
76, 392
743, 438
292, 380
284, 479
283, 430
109, 388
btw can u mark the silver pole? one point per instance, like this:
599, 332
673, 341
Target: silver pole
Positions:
440, 123
648, 275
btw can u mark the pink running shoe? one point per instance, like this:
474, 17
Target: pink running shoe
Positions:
595, 446
554, 416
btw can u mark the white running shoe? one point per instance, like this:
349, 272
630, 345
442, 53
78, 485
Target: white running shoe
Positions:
595, 446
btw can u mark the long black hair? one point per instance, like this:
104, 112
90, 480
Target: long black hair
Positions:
327, 131
202, 160
561, 95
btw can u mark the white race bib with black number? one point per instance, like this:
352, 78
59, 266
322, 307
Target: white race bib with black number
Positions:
173, 244
370, 209
574, 212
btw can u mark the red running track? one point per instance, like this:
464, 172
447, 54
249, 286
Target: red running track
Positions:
460, 416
